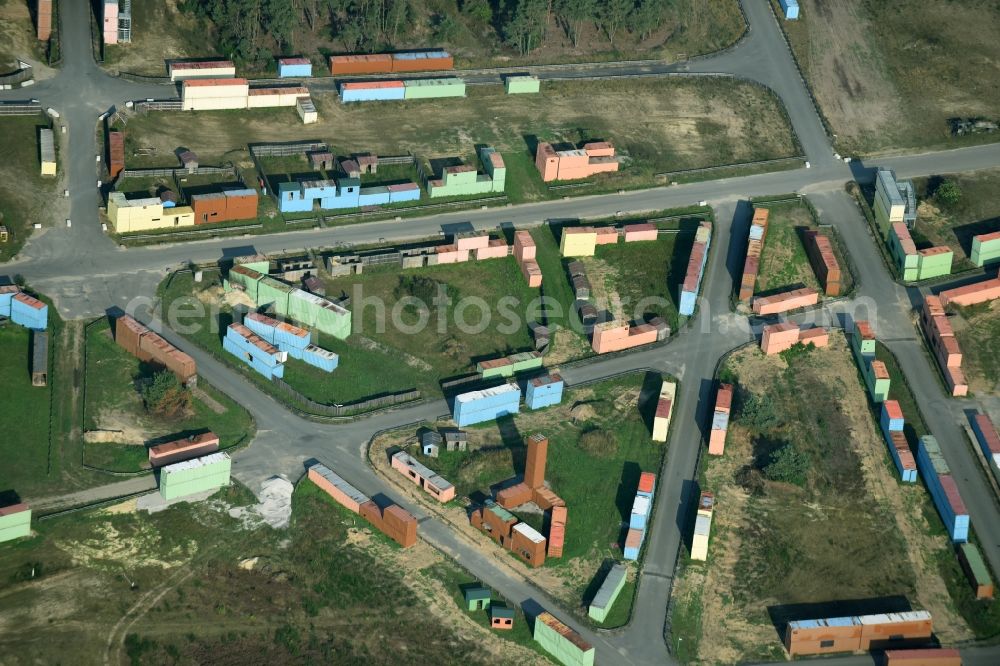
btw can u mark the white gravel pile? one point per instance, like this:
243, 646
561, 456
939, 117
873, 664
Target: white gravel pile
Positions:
274, 508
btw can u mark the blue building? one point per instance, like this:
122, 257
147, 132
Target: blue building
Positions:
302, 197
318, 357
791, 9
487, 405
640, 512
695, 269
378, 91
942, 487
544, 391
253, 350
294, 68
29, 312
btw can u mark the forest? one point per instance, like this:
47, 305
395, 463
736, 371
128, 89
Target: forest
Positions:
255, 30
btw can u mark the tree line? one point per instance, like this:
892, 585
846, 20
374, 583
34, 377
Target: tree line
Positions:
255, 30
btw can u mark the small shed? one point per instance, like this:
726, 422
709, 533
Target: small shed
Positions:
367, 163
430, 443
189, 160
501, 617
456, 440
321, 160
314, 285
477, 597
4, 234
350, 168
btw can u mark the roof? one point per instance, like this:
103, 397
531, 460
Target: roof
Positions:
203, 64
646, 482
204, 461
477, 593
529, 532
208, 83
879, 370
611, 582
501, 611
975, 561
503, 389
500, 512
892, 409
576, 639
294, 61
14, 508
337, 481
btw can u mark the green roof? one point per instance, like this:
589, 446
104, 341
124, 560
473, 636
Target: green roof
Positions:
976, 564
501, 611
503, 513
472, 593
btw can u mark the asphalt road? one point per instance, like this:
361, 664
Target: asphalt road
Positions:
86, 273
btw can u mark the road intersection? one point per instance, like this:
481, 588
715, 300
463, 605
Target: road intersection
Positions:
85, 274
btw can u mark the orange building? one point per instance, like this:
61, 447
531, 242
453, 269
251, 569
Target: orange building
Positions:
786, 301
557, 531
941, 339
970, 294
183, 449
575, 164
779, 337
720, 420
824, 262
534, 465
617, 335
225, 206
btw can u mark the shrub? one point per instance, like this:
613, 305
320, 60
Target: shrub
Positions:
948, 193
758, 413
788, 465
164, 395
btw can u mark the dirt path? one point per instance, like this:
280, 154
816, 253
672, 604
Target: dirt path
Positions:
131, 486
116, 638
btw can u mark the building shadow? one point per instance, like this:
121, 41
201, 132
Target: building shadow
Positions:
739, 231
595, 583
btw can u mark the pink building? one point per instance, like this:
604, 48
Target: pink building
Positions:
473, 242
575, 164
524, 246
640, 232
617, 335
532, 273
970, 294
435, 485
496, 249
450, 254
779, 337
785, 302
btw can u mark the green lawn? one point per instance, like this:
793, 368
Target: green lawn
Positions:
112, 394
26, 197
419, 359
595, 457
24, 414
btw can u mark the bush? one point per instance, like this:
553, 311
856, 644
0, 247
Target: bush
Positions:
164, 395
598, 443
948, 193
788, 465
757, 412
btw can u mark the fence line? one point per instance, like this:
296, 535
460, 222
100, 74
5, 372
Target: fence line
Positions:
738, 165
20, 108
286, 149
320, 409
159, 105
19, 76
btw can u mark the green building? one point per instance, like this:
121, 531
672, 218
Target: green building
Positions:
567, 646
863, 342
195, 476
976, 570
521, 84
607, 594
508, 366
430, 88
15, 522
986, 248
877, 380
255, 262
308, 310
935, 262
916, 264
477, 597
464, 180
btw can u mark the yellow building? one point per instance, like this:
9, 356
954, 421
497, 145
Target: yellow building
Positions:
129, 216
578, 242
47, 150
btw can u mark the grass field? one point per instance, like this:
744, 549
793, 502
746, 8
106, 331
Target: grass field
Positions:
838, 528
326, 589
978, 331
484, 319
26, 197
113, 402
784, 264
688, 28
599, 443
976, 212
24, 416
889, 76
674, 124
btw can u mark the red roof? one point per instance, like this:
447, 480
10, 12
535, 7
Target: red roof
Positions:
922, 653
663, 408
28, 300
989, 433
370, 85
646, 482
633, 538
951, 492
207, 83
892, 409
293, 61
13, 508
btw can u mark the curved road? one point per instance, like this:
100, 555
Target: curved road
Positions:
82, 270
